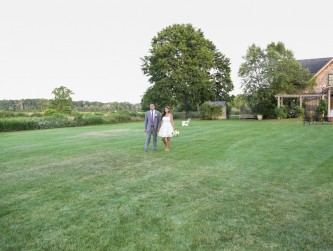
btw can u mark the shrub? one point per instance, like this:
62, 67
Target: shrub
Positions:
6, 114
58, 120
18, 124
36, 114
182, 115
92, 120
49, 112
299, 111
59, 115
322, 108
11, 114
210, 111
291, 112
88, 119
137, 115
281, 112
118, 118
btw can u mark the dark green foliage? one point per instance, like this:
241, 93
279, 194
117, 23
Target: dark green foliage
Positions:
322, 107
281, 112
185, 68
270, 71
62, 101
49, 112
21, 124
300, 111
86, 106
91, 120
208, 111
59, 120
11, 114
295, 112
161, 96
182, 115
33, 105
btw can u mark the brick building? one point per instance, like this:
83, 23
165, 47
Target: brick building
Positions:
322, 68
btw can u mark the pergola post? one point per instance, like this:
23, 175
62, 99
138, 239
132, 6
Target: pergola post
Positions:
329, 102
278, 101
300, 100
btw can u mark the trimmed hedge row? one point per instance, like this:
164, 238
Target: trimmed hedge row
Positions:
11, 114
59, 121
181, 115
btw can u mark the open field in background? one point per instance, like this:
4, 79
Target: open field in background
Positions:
225, 185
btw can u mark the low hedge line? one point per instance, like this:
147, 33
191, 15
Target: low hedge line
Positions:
59, 121
182, 115
11, 114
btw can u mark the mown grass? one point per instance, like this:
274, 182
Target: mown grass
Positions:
225, 185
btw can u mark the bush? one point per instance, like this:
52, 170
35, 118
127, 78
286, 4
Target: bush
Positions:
210, 111
182, 115
118, 118
6, 114
36, 114
17, 124
49, 112
281, 112
11, 114
58, 120
92, 120
137, 115
299, 111
322, 108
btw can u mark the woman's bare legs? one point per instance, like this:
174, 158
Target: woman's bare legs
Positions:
165, 143
168, 144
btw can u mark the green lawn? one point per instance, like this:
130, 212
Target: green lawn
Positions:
225, 185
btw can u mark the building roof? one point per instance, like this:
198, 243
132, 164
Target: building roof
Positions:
314, 65
223, 103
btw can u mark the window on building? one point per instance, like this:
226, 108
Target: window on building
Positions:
330, 79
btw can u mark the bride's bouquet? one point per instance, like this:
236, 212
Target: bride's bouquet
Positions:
176, 133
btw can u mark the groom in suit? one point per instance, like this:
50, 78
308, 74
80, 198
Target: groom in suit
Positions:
152, 123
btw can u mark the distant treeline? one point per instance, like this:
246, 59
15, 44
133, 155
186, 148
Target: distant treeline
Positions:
83, 106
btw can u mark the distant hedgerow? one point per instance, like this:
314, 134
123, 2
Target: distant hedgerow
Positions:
59, 120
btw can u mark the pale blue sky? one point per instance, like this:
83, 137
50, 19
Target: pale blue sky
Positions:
94, 47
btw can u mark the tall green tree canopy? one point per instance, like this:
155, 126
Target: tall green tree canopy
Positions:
186, 67
62, 101
267, 72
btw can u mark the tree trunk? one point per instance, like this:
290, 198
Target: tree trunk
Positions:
198, 107
186, 107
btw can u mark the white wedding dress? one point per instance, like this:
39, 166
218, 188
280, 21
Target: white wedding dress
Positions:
166, 129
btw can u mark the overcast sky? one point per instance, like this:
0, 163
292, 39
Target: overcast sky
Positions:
94, 47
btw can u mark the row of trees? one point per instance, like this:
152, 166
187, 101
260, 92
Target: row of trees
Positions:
185, 70
65, 104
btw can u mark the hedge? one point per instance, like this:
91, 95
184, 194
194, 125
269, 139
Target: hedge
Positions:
60, 120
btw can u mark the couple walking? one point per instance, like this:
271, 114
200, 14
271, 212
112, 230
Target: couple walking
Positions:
157, 124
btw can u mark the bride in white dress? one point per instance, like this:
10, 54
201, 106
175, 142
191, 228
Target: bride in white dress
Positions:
166, 128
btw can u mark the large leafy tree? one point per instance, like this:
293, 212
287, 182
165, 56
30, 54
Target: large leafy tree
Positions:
160, 95
186, 67
267, 72
62, 101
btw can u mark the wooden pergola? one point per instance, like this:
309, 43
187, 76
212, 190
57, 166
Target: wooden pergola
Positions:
329, 91
308, 95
